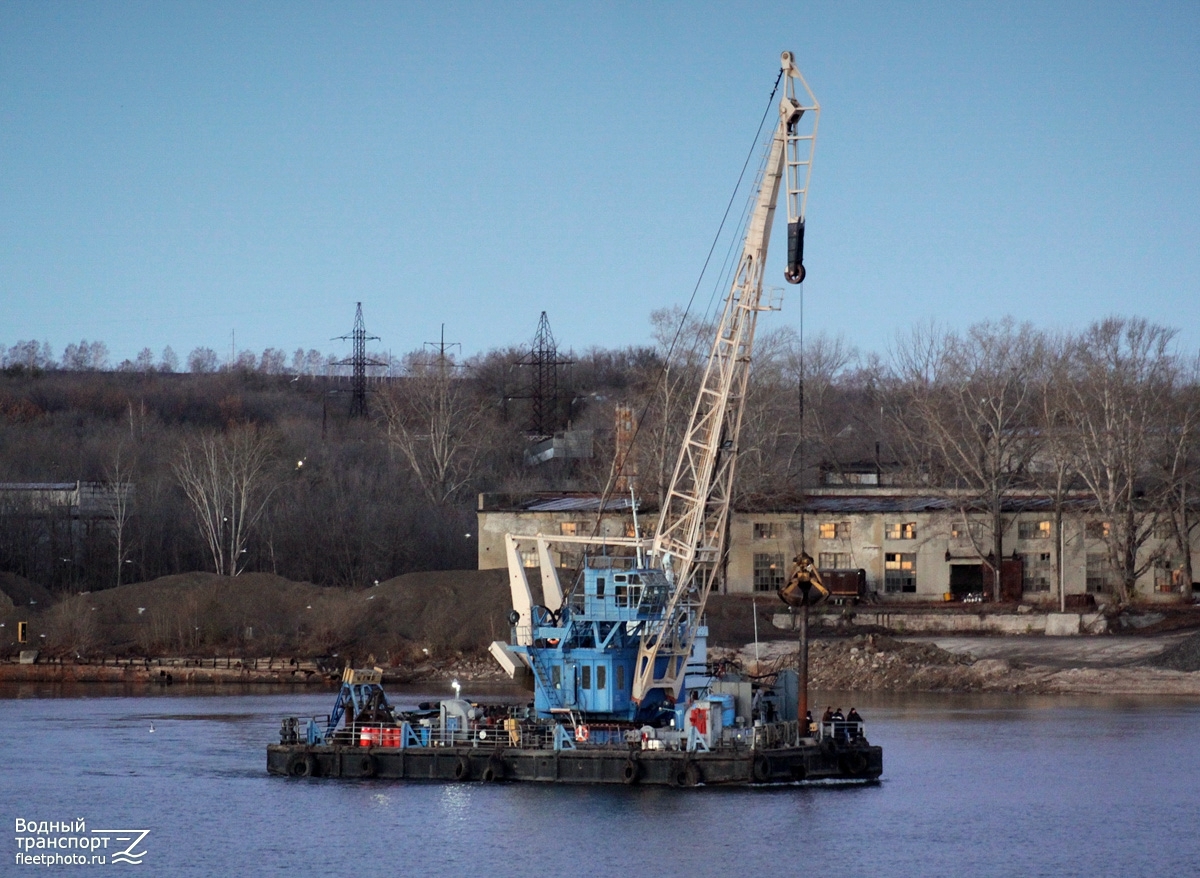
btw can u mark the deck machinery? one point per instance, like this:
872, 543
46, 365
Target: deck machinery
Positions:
621, 689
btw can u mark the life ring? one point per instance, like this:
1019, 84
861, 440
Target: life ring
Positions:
302, 765
462, 768
366, 766
761, 769
582, 733
854, 763
631, 772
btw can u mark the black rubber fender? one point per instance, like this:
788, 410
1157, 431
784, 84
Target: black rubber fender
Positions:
366, 765
632, 772
302, 765
854, 763
761, 769
693, 776
494, 771
679, 775
462, 769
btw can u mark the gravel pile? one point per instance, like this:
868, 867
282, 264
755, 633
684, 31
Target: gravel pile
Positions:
1183, 656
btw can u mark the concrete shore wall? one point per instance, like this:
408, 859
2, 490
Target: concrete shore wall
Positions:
1052, 624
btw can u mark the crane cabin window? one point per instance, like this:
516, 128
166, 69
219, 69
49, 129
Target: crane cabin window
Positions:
585, 677
627, 589
834, 530
902, 530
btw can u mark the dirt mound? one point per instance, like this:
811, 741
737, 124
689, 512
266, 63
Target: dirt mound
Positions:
1183, 656
731, 618
446, 609
407, 619
20, 592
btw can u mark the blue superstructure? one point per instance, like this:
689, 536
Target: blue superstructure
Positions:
582, 656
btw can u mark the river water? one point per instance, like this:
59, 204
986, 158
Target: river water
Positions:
972, 785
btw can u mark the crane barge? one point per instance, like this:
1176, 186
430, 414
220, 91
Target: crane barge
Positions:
622, 689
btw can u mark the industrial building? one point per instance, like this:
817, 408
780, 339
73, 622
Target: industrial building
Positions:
911, 544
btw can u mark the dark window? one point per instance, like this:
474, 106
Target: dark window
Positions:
600, 587
620, 678
556, 676
585, 677
601, 676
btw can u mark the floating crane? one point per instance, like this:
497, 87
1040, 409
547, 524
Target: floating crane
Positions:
623, 644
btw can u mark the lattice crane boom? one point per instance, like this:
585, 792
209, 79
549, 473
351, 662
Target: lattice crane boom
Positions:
690, 538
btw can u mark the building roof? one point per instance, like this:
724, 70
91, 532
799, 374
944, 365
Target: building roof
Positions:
557, 502
863, 503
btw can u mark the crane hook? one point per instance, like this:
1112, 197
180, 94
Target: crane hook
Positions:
794, 273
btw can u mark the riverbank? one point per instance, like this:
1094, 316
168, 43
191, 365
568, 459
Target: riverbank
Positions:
1166, 664
1162, 665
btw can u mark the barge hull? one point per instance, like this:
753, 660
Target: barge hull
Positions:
591, 766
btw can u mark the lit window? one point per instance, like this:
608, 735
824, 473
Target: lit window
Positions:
961, 530
1098, 530
568, 528
768, 530
835, 530
1034, 530
768, 571
900, 572
902, 530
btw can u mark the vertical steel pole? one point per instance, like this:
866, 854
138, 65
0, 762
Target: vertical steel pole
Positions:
802, 661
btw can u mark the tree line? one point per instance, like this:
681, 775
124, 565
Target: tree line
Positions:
93, 356
259, 467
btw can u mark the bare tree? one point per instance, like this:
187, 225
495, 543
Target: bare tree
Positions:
117, 498
226, 478
969, 406
1123, 378
436, 421
1058, 460
670, 385
1178, 470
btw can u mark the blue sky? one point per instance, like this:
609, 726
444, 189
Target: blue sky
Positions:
174, 172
